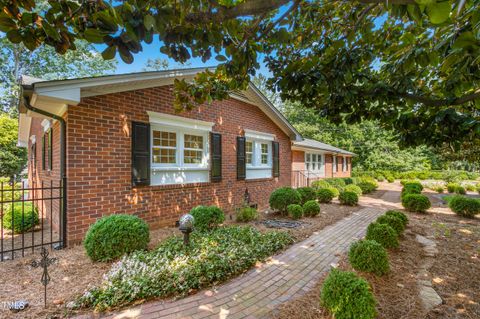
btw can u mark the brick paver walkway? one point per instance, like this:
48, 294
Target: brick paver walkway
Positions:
259, 291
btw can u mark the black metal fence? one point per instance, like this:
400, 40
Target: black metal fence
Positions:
30, 218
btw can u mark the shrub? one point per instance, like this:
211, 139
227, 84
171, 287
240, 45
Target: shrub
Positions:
478, 188
325, 195
439, 189
295, 211
16, 220
391, 179
306, 194
348, 198
347, 296
399, 215
171, 270
460, 190
413, 185
392, 221
282, 197
348, 180
207, 217
246, 214
470, 187
367, 184
338, 183
416, 203
311, 208
464, 206
353, 188
112, 236
380, 178
369, 256
321, 183
451, 187
382, 234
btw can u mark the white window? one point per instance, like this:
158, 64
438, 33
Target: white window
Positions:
344, 166
314, 162
334, 164
258, 151
179, 149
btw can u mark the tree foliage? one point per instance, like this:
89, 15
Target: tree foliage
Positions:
12, 158
411, 64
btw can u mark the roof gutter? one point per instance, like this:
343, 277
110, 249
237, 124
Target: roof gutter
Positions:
63, 162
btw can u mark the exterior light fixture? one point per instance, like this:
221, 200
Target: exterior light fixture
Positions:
186, 227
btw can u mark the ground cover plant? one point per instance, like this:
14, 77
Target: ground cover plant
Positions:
207, 217
346, 296
383, 234
172, 269
112, 236
369, 256
464, 206
282, 197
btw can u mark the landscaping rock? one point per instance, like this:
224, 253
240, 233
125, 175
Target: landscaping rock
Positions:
430, 298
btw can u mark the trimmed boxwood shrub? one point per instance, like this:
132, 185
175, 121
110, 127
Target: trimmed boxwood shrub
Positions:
246, 214
460, 190
348, 180
391, 179
336, 182
348, 198
353, 188
295, 211
451, 187
207, 217
380, 178
439, 189
282, 197
367, 184
393, 221
369, 256
311, 208
382, 234
112, 236
464, 206
414, 185
416, 203
399, 215
321, 183
18, 222
325, 195
411, 189
347, 296
306, 194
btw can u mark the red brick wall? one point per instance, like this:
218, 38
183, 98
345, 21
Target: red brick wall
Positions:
99, 160
298, 163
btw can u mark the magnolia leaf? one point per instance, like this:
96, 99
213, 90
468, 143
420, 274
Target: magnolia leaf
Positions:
220, 58
126, 56
109, 53
439, 12
93, 35
14, 36
149, 22
50, 31
6, 24
464, 40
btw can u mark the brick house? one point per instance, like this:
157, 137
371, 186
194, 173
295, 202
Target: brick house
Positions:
120, 147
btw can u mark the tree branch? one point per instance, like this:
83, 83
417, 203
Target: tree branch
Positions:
441, 102
247, 8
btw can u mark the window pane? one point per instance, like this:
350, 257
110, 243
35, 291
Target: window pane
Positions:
308, 157
192, 157
193, 141
264, 157
248, 152
248, 158
164, 156
166, 139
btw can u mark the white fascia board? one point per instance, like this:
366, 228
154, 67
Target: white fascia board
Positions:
63, 96
24, 122
259, 135
179, 121
312, 150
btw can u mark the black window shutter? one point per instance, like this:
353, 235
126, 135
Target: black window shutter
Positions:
216, 157
241, 158
43, 151
276, 159
50, 149
140, 153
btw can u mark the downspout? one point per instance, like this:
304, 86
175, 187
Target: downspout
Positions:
63, 163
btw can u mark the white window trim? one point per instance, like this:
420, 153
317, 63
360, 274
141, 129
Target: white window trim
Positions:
344, 163
179, 121
255, 135
257, 154
334, 163
318, 169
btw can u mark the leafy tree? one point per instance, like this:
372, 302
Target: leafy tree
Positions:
17, 60
411, 64
12, 158
156, 65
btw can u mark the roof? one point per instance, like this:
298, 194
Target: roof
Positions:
312, 144
54, 96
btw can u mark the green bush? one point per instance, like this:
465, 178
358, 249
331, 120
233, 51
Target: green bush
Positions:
478, 188
311, 208
439, 189
451, 187
353, 188
369, 256
295, 211
246, 214
348, 198
470, 187
460, 190
348, 180
392, 221
325, 195
347, 296
321, 183
380, 178
416, 203
171, 270
382, 234
414, 185
399, 215
207, 217
112, 236
464, 206
306, 194
336, 182
367, 184
282, 197
391, 179
16, 220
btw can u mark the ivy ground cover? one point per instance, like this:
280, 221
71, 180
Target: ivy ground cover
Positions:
171, 269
